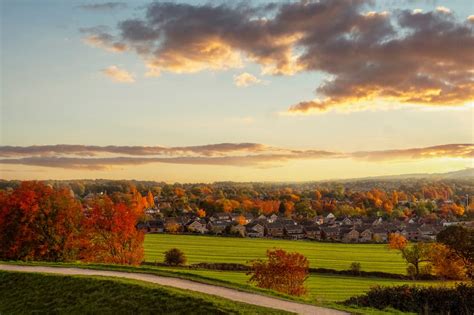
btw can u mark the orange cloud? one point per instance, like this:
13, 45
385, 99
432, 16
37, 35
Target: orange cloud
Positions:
224, 154
245, 79
118, 75
399, 57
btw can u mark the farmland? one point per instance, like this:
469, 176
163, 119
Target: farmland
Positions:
373, 257
323, 288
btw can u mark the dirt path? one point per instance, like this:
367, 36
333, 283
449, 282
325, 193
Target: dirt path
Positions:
226, 293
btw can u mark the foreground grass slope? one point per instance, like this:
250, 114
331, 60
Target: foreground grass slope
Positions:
27, 293
373, 257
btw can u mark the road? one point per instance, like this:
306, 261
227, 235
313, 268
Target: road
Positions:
231, 294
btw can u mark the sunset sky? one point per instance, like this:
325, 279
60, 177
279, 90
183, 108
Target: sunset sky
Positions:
202, 91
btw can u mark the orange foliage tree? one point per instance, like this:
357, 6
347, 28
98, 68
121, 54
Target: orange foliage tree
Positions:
201, 213
282, 271
110, 234
397, 241
241, 220
38, 222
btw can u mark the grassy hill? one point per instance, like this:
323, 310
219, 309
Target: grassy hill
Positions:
373, 257
27, 293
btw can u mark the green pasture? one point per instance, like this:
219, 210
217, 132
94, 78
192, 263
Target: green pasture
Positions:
322, 288
373, 257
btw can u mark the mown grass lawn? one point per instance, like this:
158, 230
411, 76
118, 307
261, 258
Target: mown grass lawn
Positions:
373, 257
30, 293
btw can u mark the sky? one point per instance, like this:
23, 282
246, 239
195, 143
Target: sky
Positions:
203, 91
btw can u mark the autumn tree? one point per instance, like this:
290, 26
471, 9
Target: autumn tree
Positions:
414, 254
110, 233
38, 222
241, 220
201, 213
446, 263
460, 240
150, 199
281, 271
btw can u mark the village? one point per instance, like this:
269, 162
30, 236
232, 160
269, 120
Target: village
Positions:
320, 228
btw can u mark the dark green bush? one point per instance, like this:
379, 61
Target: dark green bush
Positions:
423, 300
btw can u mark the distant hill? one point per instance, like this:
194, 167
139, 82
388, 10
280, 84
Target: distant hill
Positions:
467, 173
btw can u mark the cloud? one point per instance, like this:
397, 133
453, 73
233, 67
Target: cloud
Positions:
441, 151
223, 154
245, 79
98, 37
118, 75
91, 150
399, 57
107, 6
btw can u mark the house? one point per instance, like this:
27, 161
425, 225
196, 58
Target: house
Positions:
275, 229
220, 216
330, 233
218, 227
349, 235
312, 232
272, 218
365, 235
294, 231
237, 229
379, 235
255, 229
156, 226
197, 226
428, 232
346, 221
411, 232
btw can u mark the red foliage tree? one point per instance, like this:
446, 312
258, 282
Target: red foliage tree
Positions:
38, 222
282, 271
110, 234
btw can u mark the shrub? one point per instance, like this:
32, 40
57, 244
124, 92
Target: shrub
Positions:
422, 300
175, 257
282, 271
355, 268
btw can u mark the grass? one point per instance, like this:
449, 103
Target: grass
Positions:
323, 288
373, 257
28, 293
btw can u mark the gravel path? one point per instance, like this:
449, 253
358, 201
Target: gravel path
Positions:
231, 294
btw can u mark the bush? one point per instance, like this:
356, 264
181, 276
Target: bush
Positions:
422, 300
175, 257
355, 268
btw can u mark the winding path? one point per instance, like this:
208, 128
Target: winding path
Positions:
231, 294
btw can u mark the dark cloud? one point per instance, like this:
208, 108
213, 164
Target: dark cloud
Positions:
225, 154
401, 56
103, 6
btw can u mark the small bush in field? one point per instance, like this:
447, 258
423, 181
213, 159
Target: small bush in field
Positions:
175, 257
355, 267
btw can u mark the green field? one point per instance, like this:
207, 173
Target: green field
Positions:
322, 288
27, 293
373, 257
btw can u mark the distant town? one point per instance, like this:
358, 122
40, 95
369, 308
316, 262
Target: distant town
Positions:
363, 211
